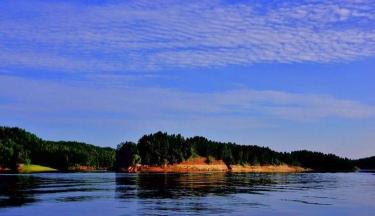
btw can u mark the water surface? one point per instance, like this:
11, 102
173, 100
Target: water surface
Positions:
188, 194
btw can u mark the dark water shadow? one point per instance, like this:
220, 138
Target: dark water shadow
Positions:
19, 190
14, 190
307, 202
200, 193
174, 186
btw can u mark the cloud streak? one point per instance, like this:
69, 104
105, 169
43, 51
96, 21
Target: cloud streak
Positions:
157, 103
144, 35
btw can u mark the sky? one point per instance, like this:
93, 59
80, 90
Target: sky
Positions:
289, 75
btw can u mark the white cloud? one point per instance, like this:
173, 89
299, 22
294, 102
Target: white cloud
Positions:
151, 35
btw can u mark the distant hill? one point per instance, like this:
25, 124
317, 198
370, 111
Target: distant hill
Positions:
19, 146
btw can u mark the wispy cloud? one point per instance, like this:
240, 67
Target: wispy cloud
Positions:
132, 103
152, 35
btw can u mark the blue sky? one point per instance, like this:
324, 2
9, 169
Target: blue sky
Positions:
285, 74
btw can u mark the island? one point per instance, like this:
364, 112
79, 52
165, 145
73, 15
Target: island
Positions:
24, 152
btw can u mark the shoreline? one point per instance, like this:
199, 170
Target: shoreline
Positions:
200, 165
208, 169
34, 168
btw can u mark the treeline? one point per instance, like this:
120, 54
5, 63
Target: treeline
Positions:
161, 148
366, 163
19, 146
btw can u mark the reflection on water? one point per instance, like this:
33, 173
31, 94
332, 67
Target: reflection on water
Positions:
160, 186
14, 190
165, 194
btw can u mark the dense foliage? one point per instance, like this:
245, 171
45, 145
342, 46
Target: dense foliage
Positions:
366, 163
161, 148
19, 146
127, 155
320, 161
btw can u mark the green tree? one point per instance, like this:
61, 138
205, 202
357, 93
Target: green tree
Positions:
127, 155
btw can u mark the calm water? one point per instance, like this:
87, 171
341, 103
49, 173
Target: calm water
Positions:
188, 194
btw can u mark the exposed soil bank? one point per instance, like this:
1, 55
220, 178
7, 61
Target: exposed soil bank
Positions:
200, 164
4, 169
268, 168
82, 169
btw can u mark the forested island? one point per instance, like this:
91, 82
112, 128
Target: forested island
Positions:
160, 152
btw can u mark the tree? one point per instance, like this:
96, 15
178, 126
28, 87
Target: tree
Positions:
6, 153
127, 155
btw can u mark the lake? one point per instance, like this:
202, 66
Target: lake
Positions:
188, 194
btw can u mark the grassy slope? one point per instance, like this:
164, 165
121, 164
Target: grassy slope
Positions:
32, 168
